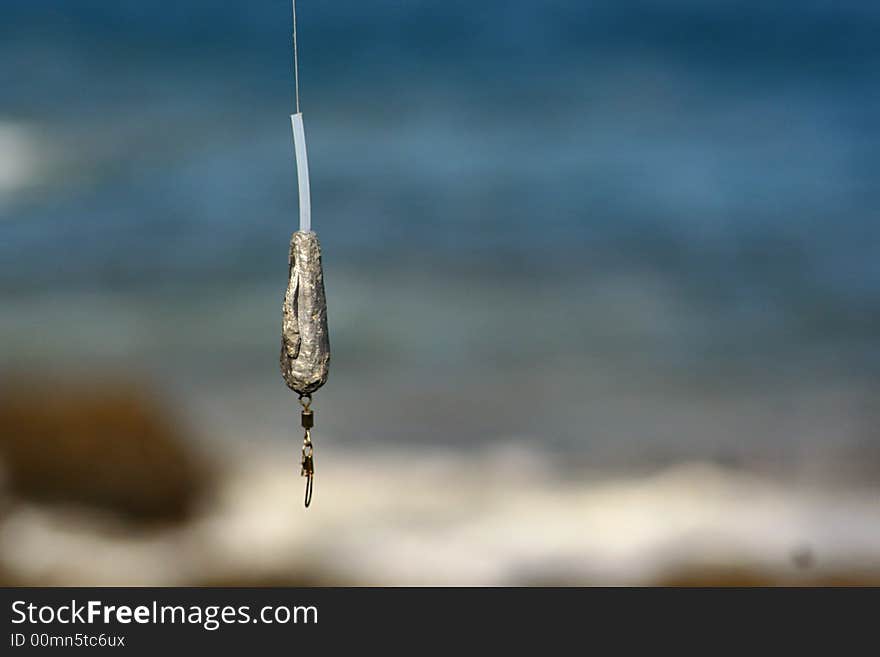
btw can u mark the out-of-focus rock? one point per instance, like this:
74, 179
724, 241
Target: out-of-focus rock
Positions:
113, 447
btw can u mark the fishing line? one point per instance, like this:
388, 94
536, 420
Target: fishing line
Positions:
295, 59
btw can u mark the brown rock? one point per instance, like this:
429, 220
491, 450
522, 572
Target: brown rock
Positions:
112, 447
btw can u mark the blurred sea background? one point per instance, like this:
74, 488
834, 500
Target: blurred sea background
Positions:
603, 287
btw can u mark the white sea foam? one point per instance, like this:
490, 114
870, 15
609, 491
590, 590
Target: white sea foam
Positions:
21, 158
435, 519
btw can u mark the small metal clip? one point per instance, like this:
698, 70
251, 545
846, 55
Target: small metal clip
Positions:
308, 466
308, 452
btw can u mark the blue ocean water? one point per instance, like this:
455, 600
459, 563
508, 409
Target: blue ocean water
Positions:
606, 207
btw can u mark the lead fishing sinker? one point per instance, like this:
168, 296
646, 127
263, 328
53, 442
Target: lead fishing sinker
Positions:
305, 344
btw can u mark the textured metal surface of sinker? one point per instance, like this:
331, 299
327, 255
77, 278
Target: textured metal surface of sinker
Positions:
305, 343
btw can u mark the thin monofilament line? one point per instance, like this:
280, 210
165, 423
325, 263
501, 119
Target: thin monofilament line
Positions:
295, 59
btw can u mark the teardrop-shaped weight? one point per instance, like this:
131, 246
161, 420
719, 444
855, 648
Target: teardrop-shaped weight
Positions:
305, 343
